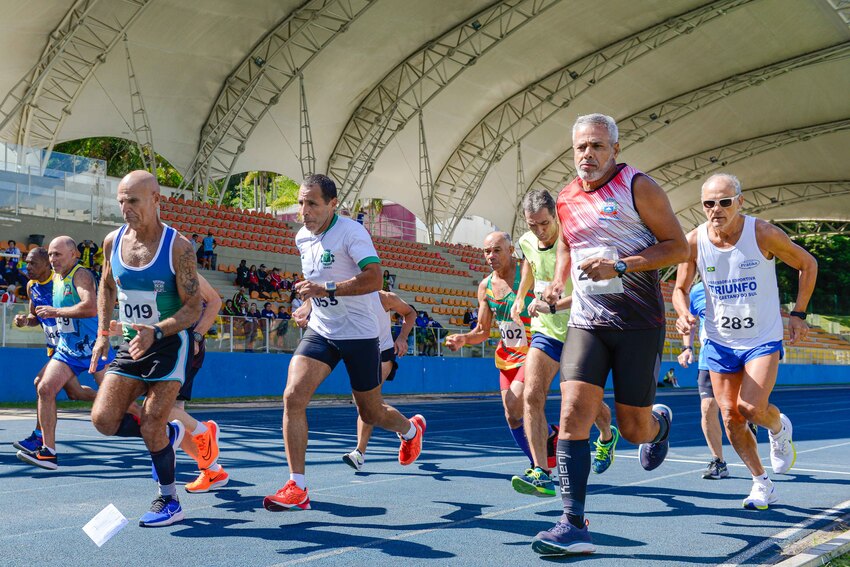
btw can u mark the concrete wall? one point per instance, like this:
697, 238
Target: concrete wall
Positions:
228, 375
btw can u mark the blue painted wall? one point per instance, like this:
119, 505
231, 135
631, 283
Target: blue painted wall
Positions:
227, 375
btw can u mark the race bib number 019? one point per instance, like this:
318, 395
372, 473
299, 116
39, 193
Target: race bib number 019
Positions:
513, 335
586, 285
735, 321
138, 307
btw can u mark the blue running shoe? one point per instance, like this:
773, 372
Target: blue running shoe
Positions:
165, 510
176, 431
604, 456
653, 454
31, 443
535, 482
563, 539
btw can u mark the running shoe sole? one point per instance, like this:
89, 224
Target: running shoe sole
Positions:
525, 487
273, 506
351, 462
542, 547
752, 505
167, 522
46, 465
212, 486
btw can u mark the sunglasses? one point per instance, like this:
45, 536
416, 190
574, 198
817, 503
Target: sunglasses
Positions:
725, 203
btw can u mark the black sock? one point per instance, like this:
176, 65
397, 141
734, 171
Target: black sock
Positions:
163, 462
129, 426
663, 427
573, 472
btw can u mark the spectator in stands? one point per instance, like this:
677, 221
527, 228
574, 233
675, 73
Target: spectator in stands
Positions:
229, 310
199, 249
275, 279
436, 334
263, 276
10, 295
240, 299
268, 312
422, 332
283, 318
252, 323
295, 301
253, 279
97, 269
242, 274
473, 320
467, 316
286, 284
209, 246
87, 250
13, 250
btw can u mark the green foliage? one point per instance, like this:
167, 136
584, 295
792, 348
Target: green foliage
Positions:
121, 156
833, 256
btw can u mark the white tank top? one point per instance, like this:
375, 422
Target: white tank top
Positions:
741, 295
385, 334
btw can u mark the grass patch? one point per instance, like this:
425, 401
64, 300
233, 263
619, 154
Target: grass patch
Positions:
75, 405
840, 561
843, 320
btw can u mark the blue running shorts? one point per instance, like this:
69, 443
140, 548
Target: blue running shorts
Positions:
725, 360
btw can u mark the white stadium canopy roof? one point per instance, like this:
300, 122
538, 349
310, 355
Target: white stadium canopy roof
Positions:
758, 88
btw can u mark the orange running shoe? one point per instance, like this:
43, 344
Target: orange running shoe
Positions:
207, 444
208, 480
290, 497
409, 450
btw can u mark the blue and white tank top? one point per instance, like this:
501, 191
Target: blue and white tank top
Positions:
76, 336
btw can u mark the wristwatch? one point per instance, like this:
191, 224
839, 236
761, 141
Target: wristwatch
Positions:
799, 314
620, 267
552, 308
687, 348
330, 287
157, 333
199, 338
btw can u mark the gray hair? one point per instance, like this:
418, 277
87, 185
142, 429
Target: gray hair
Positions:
731, 179
538, 199
600, 120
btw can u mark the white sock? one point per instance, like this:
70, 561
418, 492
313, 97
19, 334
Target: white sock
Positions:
763, 479
299, 480
201, 428
411, 433
215, 467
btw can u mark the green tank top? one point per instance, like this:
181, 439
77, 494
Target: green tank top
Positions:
542, 263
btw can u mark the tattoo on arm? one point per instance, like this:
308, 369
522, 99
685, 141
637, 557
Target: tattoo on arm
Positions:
189, 289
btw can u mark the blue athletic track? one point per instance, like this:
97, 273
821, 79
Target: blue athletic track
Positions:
454, 506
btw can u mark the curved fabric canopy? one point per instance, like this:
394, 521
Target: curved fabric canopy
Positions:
449, 108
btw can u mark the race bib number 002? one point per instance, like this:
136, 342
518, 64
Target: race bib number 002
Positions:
586, 285
513, 335
735, 321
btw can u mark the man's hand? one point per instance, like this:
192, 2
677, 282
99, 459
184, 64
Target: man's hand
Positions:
798, 330
301, 315
99, 352
455, 342
143, 340
21, 320
685, 324
309, 289
516, 311
598, 269
537, 307
47, 312
553, 292
400, 347
686, 357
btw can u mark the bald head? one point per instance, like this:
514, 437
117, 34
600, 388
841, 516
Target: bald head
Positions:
498, 252
65, 242
498, 237
138, 197
140, 180
62, 253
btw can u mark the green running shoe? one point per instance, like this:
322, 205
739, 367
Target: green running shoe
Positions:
604, 456
535, 482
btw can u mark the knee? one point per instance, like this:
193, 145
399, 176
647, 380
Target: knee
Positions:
105, 423
293, 400
151, 427
370, 416
46, 389
747, 411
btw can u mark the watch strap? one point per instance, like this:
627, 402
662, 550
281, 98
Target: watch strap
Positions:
799, 314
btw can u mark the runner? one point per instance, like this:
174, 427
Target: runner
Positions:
74, 308
343, 274
151, 270
549, 330
735, 255
496, 297
617, 229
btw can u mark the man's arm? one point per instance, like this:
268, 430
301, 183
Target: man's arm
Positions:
685, 273
552, 293
186, 274
367, 281
106, 296
393, 302
87, 306
213, 303
526, 283
773, 240
481, 332
28, 320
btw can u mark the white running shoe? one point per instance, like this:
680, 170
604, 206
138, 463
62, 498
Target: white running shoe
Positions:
761, 496
354, 459
782, 451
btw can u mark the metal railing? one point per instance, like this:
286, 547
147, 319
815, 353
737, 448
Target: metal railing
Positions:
248, 334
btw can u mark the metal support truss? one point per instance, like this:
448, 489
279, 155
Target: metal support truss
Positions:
813, 227
842, 7
257, 83
306, 156
640, 125
406, 89
761, 199
699, 165
462, 176
426, 180
35, 109
141, 124
519, 223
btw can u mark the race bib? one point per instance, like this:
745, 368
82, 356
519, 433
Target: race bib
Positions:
138, 307
586, 285
66, 325
735, 321
51, 334
330, 308
513, 335
539, 287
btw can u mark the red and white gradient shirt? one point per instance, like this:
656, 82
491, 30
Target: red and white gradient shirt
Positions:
605, 223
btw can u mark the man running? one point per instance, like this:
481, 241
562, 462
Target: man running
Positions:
735, 255
549, 330
151, 270
617, 229
496, 297
74, 307
388, 302
342, 274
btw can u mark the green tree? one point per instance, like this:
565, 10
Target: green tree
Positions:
122, 156
833, 255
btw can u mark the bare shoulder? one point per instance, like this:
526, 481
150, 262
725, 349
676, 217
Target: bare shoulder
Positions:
109, 240
84, 277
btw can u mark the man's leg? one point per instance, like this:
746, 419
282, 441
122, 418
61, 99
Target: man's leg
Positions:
155, 432
757, 383
78, 392
373, 411
540, 369
711, 427
727, 391
109, 414
512, 401
34, 441
364, 430
305, 375
54, 379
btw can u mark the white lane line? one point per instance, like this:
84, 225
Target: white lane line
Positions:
742, 557
495, 514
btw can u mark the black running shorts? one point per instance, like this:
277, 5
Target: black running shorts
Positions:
167, 359
632, 356
389, 356
362, 357
197, 361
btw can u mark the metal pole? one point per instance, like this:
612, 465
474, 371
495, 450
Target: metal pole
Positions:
231, 332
